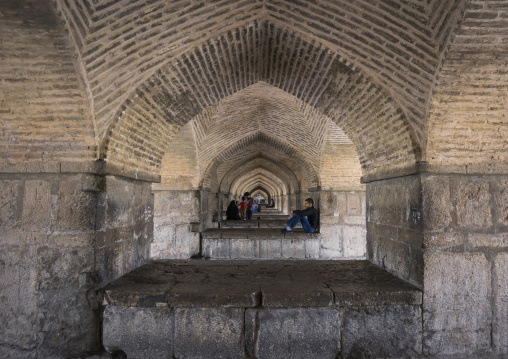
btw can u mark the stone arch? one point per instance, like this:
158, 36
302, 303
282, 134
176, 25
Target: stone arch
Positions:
278, 149
256, 177
268, 164
181, 90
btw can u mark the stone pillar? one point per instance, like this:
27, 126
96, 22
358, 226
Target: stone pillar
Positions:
466, 266
62, 237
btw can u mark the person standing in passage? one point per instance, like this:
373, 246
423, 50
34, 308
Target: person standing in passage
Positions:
243, 208
307, 217
250, 202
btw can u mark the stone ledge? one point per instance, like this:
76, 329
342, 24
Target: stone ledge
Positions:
267, 284
256, 233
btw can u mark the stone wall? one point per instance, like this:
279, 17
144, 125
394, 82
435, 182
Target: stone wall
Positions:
62, 237
175, 236
466, 251
394, 233
342, 224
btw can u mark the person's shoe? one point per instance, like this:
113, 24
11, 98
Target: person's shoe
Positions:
284, 230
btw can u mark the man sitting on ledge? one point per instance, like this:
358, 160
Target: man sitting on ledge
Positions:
309, 224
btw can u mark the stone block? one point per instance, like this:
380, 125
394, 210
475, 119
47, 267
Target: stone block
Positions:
500, 292
73, 240
132, 294
186, 242
18, 295
216, 248
437, 203
209, 333
395, 256
293, 248
473, 204
341, 207
59, 268
329, 221
119, 202
327, 203
354, 203
354, 241
502, 204
36, 205
382, 332
295, 295
443, 240
354, 220
76, 208
244, 248
457, 303
295, 333
312, 248
139, 332
176, 206
499, 240
239, 295
9, 216
270, 248
331, 242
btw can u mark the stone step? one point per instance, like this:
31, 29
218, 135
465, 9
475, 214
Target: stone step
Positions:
260, 223
260, 243
262, 309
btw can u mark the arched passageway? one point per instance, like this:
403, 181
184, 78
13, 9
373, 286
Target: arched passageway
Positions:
128, 125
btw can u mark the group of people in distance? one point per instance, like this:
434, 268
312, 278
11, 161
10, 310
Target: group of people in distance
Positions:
242, 210
308, 217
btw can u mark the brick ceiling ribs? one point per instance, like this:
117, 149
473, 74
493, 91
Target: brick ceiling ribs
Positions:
370, 66
259, 145
258, 177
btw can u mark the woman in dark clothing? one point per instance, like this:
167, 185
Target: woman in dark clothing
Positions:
232, 213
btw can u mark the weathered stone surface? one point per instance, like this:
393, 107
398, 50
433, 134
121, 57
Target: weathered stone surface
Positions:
76, 208
382, 332
293, 248
9, 205
270, 249
18, 288
437, 203
502, 203
209, 333
239, 295
295, 333
444, 240
36, 205
244, 248
499, 240
500, 292
473, 204
457, 305
296, 294
139, 332
354, 241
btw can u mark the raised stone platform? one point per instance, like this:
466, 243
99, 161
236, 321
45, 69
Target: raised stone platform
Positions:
260, 243
262, 309
255, 223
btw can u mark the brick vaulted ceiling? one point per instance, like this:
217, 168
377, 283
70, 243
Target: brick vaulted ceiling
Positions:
370, 66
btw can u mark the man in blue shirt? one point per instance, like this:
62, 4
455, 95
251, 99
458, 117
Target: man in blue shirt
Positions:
307, 217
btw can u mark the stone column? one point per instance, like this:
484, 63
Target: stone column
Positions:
466, 251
